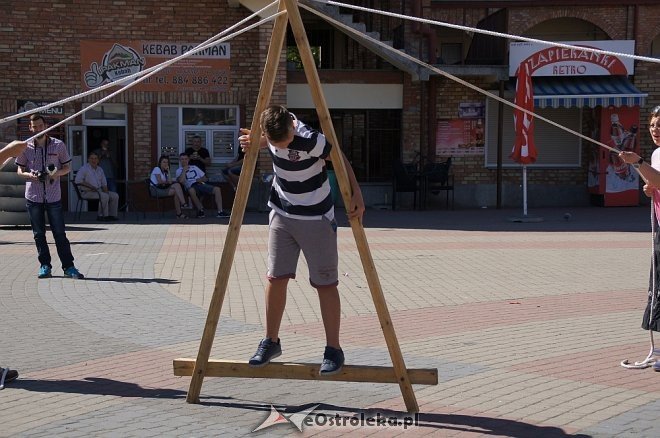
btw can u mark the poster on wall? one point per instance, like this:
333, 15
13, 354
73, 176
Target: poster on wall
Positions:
616, 182
459, 137
106, 61
51, 115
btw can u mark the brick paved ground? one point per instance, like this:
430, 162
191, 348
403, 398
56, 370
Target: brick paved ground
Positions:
526, 323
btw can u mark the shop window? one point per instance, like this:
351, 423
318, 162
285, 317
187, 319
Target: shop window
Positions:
217, 126
556, 147
655, 47
105, 112
369, 139
209, 116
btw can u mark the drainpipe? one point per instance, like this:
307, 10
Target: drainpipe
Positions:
425, 32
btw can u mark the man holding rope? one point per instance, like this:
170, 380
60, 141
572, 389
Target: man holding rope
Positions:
302, 218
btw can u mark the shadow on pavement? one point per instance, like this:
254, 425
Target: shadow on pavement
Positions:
446, 422
99, 386
135, 280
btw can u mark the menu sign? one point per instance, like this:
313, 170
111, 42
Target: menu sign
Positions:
51, 115
104, 62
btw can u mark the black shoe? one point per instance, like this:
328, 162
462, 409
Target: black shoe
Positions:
333, 360
223, 214
112, 218
101, 219
266, 351
7, 375
200, 214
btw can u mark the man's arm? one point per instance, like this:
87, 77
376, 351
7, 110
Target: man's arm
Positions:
356, 209
244, 140
26, 173
207, 159
64, 170
80, 179
11, 150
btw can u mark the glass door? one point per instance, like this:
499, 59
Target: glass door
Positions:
77, 143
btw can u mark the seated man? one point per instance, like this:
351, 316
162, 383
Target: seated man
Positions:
93, 185
195, 181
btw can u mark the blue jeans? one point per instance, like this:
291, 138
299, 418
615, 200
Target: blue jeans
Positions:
37, 213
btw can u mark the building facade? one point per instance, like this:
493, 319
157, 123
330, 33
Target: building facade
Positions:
385, 107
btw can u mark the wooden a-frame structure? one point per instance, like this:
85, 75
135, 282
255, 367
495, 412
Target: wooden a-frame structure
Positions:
276, 370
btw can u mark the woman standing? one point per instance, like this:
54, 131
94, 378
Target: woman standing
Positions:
162, 186
651, 174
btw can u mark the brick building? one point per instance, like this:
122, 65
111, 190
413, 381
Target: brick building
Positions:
385, 108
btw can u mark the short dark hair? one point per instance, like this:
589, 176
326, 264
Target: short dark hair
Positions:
92, 153
275, 122
36, 116
182, 154
163, 157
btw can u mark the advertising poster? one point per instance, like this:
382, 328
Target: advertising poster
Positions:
108, 61
460, 137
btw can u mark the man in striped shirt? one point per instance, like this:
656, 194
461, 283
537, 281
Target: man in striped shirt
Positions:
301, 218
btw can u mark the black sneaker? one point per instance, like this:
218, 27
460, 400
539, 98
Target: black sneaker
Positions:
223, 214
333, 360
266, 351
200, 214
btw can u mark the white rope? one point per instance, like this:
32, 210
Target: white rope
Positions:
489, 32
457, 79
154, 69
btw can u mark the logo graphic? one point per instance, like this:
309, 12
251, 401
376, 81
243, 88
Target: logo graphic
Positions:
294, 155
277, 417
118, 62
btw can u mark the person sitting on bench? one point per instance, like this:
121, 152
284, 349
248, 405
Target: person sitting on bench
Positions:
195, 181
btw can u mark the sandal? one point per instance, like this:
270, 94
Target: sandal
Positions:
181, 216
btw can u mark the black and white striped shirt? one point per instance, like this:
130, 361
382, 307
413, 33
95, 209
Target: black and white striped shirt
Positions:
301, 189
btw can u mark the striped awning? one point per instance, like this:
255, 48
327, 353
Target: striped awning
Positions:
589, 91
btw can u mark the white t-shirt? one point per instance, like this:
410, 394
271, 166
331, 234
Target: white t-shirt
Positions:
192, 174
154, 176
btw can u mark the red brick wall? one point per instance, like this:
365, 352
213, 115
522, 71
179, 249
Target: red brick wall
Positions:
40, 55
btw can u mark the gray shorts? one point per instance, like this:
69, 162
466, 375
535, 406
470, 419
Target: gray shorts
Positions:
316, 238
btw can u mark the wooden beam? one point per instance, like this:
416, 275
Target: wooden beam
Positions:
304, 371
336, 155
238, 211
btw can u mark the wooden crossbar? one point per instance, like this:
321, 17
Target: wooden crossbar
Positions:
305, 371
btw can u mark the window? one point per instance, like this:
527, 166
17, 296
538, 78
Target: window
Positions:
451, 53
369, 139
105, 114
556, 147
217, 126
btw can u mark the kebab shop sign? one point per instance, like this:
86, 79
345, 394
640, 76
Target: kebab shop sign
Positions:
104, 62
